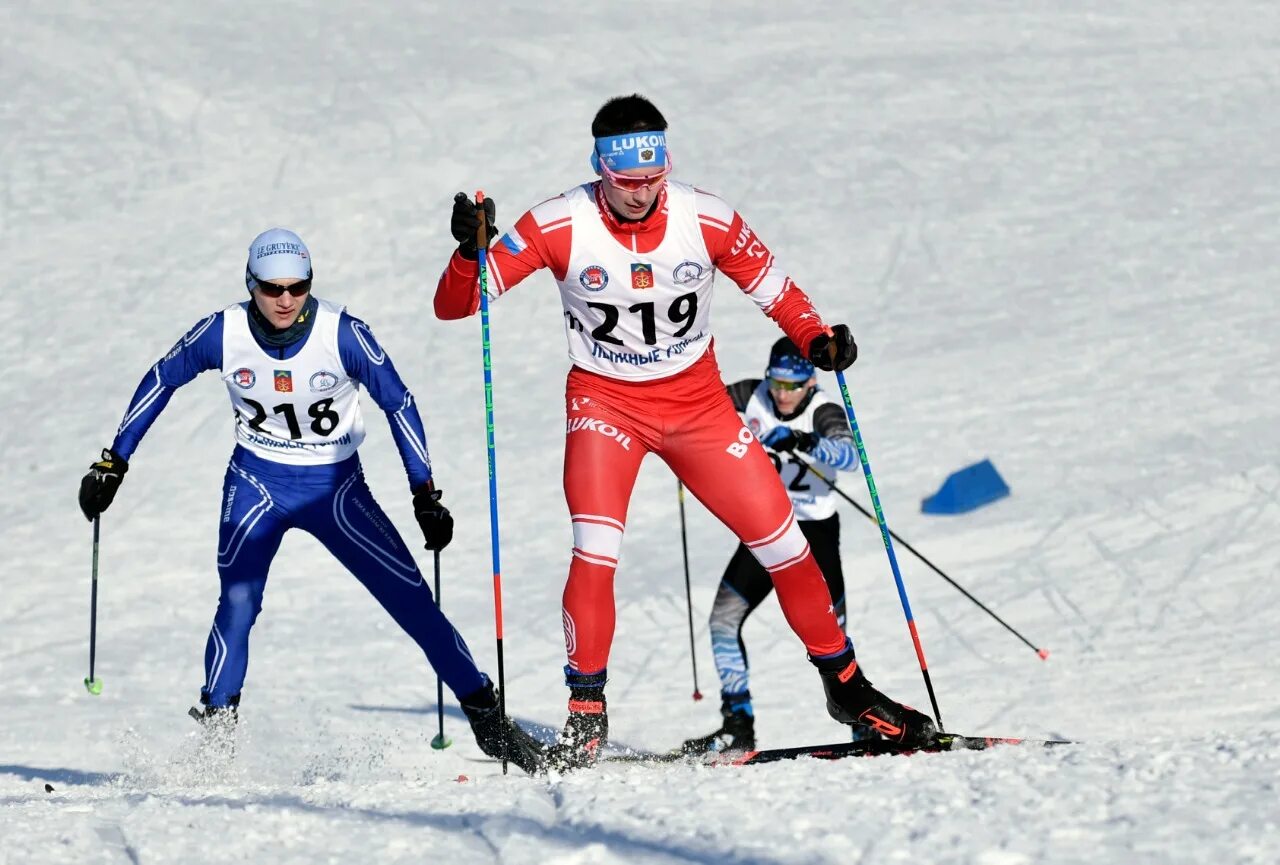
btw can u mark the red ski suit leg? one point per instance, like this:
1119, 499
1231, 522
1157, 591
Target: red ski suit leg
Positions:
689, 421
727, 469
602, 454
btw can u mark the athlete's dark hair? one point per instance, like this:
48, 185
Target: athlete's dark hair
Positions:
631, 113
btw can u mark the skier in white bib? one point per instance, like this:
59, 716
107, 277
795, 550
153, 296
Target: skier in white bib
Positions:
804, 432
634, 256
293, 366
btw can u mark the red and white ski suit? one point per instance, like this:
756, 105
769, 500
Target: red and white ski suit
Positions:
645, 379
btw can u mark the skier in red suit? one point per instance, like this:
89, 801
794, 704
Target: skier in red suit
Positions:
635, 254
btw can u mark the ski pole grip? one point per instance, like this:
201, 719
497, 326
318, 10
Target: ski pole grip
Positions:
482, 232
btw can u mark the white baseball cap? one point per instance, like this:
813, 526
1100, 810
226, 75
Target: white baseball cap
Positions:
278, 253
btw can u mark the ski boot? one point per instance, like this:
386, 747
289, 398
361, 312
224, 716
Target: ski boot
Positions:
587, 730
737, 733
218, 740
496, 732
851, 699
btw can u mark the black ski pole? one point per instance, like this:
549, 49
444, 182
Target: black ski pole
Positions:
1043, 653
440, 741
92, 685
688, 590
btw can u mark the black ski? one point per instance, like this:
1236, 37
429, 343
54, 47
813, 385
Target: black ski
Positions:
836, 751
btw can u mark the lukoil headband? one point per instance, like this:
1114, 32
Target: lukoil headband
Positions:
630, 150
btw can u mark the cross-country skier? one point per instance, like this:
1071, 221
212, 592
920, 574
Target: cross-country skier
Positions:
799, 425
634, 255
293, 365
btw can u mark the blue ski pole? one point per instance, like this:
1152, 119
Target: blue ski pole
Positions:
482, 247
888, 544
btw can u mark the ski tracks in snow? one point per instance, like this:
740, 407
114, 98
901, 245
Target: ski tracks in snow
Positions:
113, 838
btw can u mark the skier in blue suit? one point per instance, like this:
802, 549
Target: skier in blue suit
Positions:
293, 365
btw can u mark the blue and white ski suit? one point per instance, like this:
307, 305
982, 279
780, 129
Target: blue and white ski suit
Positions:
298, 425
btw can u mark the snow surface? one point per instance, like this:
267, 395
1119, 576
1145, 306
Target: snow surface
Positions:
1054, 228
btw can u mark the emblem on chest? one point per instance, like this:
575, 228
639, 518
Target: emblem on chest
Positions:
594, 278
641, 275
687, 272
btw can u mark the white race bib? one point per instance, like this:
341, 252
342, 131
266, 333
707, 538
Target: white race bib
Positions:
631, 315
810, 497
304, 410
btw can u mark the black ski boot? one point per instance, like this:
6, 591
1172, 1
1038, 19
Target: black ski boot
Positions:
496, 732
737, 733
851, 699
218, 741
587, 730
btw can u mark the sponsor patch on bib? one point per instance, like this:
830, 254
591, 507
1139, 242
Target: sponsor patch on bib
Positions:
594, 278
322, 381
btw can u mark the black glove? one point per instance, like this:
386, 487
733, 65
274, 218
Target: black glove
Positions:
433, 517
99, 486
846, 350
786, 439
466, 223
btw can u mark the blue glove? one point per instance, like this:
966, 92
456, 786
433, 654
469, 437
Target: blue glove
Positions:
785, 439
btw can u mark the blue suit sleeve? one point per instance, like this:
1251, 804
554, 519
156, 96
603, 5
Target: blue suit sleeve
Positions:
366, 361
199, 349
835, 446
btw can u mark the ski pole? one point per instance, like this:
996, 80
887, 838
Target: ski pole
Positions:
92, 685
809, 466
688, 590
888, 542
482, 248
440, 741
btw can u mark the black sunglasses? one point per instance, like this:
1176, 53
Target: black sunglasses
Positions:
269, 289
